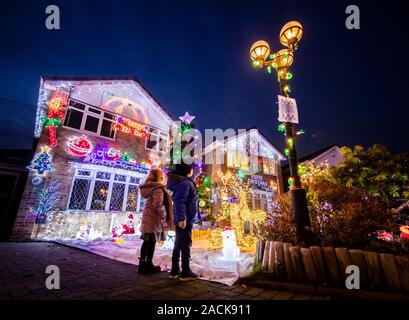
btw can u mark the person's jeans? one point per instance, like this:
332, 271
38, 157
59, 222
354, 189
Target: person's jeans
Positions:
183, 243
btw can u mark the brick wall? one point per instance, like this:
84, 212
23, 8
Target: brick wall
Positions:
24, 226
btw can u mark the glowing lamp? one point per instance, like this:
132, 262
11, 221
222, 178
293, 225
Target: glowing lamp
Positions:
291, 34
259, 52
284, 58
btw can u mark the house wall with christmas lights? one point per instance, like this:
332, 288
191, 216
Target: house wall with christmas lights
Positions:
258, 166
98, 138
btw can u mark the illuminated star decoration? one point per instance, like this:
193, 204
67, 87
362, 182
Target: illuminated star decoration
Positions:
187, 118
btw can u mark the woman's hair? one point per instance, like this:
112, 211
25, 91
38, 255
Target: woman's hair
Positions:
155, 175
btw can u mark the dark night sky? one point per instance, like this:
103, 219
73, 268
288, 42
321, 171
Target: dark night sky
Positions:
350, 86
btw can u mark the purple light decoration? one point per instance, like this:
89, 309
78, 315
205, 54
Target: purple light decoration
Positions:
187, 118
105, 156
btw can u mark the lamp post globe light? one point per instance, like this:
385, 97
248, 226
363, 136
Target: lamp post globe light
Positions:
260, 54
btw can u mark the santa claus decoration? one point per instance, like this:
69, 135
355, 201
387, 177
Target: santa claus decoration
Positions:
118, 234
129, 226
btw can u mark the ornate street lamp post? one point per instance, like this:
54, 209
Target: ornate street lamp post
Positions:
290, 35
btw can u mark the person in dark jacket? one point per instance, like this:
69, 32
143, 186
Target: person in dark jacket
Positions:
185, 200
157, 217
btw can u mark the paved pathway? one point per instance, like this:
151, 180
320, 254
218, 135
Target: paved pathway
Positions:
91, 277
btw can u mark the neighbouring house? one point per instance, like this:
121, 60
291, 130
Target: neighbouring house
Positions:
13, 177
251, 155
16, 153
330, 155
98, 138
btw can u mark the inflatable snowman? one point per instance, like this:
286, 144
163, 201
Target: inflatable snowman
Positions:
138, 225
82, 232
230, 249
94, 234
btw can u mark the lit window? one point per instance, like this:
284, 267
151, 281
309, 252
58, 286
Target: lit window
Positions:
79, 194
243, 161
86, 118
272, 166
236, 159
157, 140
266, 166
269, 166
257, 201
105, 191
231, 158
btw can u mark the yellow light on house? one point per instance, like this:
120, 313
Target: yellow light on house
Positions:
259, 52
291, 34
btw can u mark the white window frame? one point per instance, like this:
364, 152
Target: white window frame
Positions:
271, 163
159, 135
87, 112
266, 198
237, 160
93, 178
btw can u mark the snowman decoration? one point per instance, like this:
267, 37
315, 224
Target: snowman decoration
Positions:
170, 240
82, 233
138, 225
230, 249
94, 234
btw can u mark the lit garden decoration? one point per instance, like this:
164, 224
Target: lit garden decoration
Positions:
55, 116
49, 197
41, 164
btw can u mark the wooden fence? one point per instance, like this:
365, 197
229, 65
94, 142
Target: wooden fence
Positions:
198, 233
327, 265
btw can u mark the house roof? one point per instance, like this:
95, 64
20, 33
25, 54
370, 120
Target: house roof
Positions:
314, 154
107, 78
213, 144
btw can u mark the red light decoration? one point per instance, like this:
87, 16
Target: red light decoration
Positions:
55, 116
131, 127
52, 133
79, 146
404, 234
